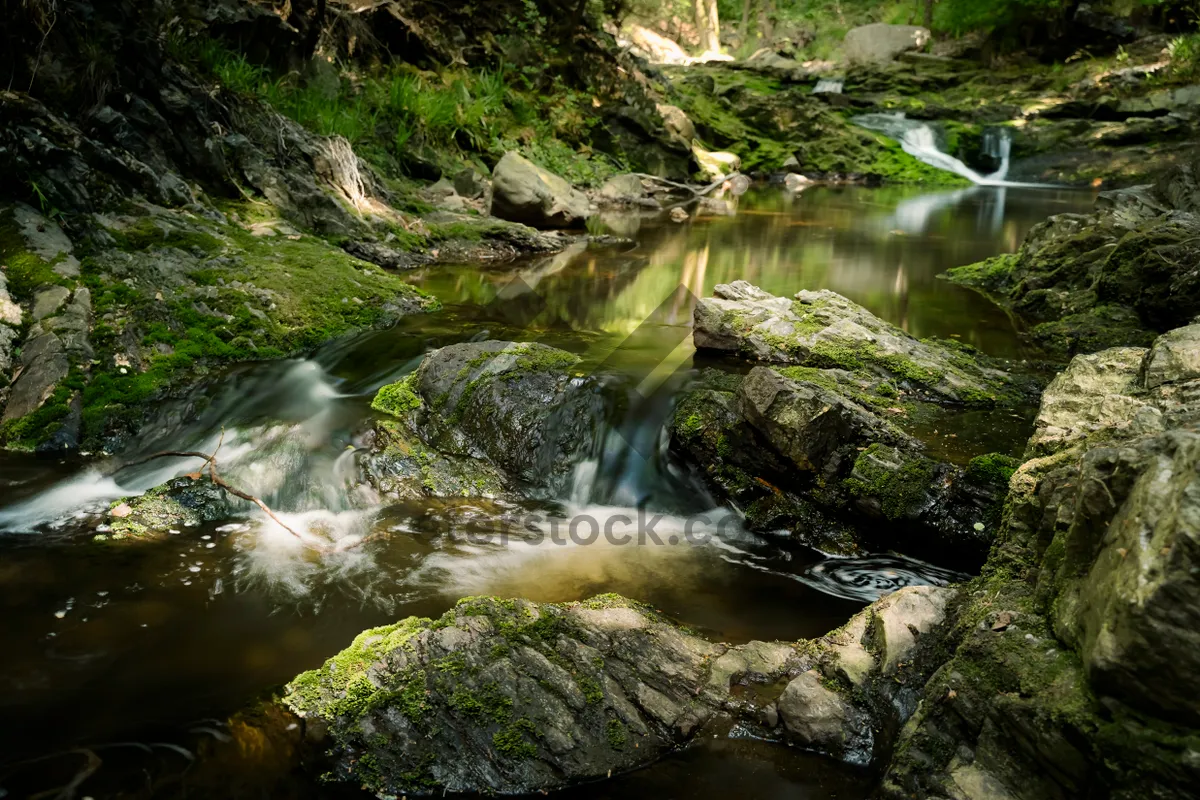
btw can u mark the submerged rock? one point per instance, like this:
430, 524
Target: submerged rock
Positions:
802, 453
508, 696
524, 192
1074, 670
478, 417
1113, 277
824, 329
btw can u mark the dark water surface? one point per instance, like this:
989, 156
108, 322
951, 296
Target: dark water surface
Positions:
150, 643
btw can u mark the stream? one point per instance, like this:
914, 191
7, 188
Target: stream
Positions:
152, 643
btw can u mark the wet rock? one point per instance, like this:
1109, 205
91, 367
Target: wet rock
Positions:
470, 184
623, 189
814, 715
1074, 662
482, 416
1110, 278
524, 192
799, 454
508, 696
880, 43
824, 329
181, 502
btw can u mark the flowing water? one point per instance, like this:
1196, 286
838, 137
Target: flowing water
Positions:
143, 646
920, 140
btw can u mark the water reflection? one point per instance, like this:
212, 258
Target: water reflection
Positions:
882, 248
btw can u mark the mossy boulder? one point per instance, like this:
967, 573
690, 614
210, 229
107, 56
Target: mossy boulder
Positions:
1115, 277
181, 502
805, 456
508, 696
824, 329
481, 417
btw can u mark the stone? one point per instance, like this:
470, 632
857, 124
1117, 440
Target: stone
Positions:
1078, 670
901, 618
880, 43
623, 189
814, 715
488, 416
1115, 277
676, 121
851, 660
1095, 392
47, 302
470, 184
825, 329
804, 422
44, 363
525, 192
1174, 358
10, 312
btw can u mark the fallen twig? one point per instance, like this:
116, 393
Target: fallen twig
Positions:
696, 192
211, 462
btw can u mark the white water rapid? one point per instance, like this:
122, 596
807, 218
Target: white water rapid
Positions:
919, 140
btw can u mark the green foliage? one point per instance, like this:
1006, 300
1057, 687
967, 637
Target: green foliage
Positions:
1185, 56
396, 110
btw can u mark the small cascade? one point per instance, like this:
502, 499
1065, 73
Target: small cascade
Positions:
997, 144
293, 463
829, 86
919, 140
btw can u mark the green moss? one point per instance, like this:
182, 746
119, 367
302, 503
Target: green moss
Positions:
993, 467
991, 275
899, 482
398, 398
511, 739
614, 731
25, 271
341, 686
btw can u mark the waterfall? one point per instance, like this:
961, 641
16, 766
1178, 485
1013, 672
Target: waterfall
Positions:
919, 140
829, 86
997, 144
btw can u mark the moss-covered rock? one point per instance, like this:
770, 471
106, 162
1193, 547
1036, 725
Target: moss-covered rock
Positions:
508, 696
178, 503
1113, 278
824, 329
802, 455
1073, 662
479, 418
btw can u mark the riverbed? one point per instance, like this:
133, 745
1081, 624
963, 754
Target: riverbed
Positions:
153, 643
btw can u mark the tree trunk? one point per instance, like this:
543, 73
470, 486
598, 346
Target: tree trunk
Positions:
708, 27
744, 30
929, 14
314, 32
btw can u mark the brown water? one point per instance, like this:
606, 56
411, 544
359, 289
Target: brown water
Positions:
151, 643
